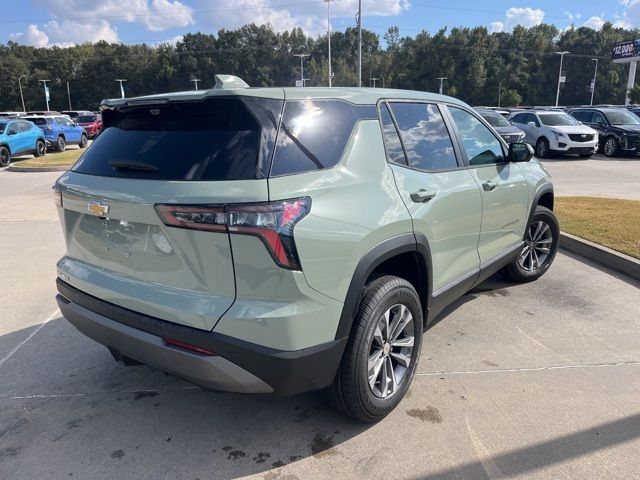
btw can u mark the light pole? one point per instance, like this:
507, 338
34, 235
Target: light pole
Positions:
359, 43
593, 84
46, 92
195, 81
499, 93
328, 2
121, 80
69, 95
301, 55
21, 96
442, 79
373, 79
562, 54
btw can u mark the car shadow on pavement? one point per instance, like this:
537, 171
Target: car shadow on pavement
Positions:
520, 461
66, 402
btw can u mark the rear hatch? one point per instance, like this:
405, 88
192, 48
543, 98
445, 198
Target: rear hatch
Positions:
213, 151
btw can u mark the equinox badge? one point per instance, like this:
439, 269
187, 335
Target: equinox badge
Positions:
98, 208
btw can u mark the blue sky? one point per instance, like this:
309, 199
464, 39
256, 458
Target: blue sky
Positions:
66, 22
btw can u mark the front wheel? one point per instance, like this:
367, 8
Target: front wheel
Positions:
539, 249
83, 141
542, 148
61, 145
382, 352
610, 147
5, 157
41, 149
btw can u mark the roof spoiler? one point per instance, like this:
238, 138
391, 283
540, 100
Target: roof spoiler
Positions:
229, 82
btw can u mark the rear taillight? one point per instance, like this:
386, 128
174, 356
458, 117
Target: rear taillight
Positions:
272, 222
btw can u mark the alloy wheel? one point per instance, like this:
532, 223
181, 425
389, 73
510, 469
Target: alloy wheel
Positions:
542, 149
610, 147
41, 148
390, 351
537, 246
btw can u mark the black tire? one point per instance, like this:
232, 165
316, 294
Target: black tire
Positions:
83, 141
586, 155
41, 149
351, 392
61, 144
610, 146
542, 148
521, 270
5, 156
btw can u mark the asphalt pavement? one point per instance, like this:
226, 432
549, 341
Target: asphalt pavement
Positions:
536, 381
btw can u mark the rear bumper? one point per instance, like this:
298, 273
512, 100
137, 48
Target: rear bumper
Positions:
238, 367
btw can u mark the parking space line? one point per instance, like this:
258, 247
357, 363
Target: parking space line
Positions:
17, 347
529, 369
88, 394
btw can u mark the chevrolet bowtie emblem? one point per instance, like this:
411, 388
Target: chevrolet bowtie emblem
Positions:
98, 208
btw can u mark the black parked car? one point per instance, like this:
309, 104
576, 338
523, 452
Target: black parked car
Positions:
619, 129
509, 132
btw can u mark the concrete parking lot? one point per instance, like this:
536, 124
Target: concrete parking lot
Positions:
598, 176
516, 381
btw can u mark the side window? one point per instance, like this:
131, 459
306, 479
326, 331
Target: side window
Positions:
598, 118
425, 136
392, 144
518, 118
582, 116
530, 117
25, 126
12, 128
314, 133
481, 145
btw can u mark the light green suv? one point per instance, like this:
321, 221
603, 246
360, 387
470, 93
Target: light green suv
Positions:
281, 240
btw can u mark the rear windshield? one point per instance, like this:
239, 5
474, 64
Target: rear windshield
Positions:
557, 119
87, 118
37, 121
215, 139
495, 120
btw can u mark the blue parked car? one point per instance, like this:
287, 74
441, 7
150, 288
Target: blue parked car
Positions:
18, 137
60, 131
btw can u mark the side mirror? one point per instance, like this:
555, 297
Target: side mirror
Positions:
12, 132
520, 152
532, 124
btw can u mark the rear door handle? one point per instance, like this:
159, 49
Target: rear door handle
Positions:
422, 196
489, 186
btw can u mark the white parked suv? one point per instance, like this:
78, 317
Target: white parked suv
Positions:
555, 132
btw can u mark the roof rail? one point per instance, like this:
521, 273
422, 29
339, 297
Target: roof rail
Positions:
229, 82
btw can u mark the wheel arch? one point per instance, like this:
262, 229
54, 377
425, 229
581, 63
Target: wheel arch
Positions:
407, 256
6, 145
545, 197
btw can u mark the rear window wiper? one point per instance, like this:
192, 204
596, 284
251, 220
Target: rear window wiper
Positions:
133, 166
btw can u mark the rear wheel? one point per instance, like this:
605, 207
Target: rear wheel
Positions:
382, 352
542, 148
539, 250
83, 141
61, 145
41, 149
610, 147
5, 156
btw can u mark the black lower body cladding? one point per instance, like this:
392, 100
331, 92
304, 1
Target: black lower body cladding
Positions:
286, 372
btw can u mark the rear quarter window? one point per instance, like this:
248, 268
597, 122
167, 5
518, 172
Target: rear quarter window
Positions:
214, 139
314, 133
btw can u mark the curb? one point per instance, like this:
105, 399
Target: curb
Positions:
17, 168
604, 256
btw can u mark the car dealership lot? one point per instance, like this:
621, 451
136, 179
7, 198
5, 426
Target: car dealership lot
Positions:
537, 381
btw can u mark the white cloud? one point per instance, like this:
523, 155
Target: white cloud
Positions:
312, 17
572, 16
155, 15
595, 23
66, 33
497, 27
525, 16
33, 36
630, 17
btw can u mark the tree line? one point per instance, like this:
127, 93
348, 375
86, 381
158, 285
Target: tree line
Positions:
520, 65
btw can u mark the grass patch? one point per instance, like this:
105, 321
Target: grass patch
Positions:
52, 159
611, 222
